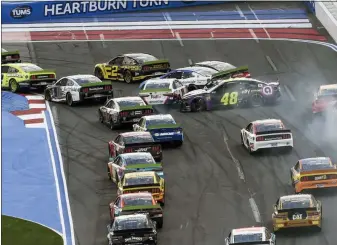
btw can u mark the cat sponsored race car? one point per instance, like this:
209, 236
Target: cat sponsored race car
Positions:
10, 56
162, 91
78, 88
325, 98
231, 93
123, 110
16, 76
200, 74
132, 67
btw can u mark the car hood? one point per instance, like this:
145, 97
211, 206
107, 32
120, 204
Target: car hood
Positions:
194, 93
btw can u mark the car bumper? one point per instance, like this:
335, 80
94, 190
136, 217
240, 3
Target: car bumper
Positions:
296, 224
163, 139
299, 187
272, 144
98, 95
159, 197
37, 83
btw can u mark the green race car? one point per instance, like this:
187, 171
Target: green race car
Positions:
132, 67
10, 56
16, 76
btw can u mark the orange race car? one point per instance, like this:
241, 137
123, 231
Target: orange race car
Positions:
313, 173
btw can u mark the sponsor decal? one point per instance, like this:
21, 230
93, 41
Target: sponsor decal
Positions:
320, 177
141, 150
267, 90
42, 76
133, 239
21, 12
95, 89
164, 134
297, 216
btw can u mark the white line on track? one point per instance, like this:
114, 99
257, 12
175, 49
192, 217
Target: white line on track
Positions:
168, 19
34, 97
179, 39
260, 21
271, 63
255, 209
236, 162
36, 125
101, 36
254, 35
250, 30
290, 94
190, 62
31, 116
37, 106
240, 11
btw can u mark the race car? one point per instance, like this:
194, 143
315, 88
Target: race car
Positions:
231, 93
78, 88
123, 110
198, 76
163, 128
10, 56
16, 76
133, 162
132, 67
135, 142
313, 173
325, 98
250, 236
297, 211
162, 91
132, 203
143, 182
132, 229
264, 134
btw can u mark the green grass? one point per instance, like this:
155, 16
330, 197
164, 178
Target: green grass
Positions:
22, 232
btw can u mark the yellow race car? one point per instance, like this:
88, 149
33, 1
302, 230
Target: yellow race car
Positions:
148, 181
16, 76
297, 211
132, 67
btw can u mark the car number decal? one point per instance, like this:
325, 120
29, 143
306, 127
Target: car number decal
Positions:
230, 98
111, 71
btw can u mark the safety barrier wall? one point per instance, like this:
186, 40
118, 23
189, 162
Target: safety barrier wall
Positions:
14, 12
325, 16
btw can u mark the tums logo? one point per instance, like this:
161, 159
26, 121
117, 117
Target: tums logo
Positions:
21, 12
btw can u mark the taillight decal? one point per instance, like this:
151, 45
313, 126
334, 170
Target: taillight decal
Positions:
260, 138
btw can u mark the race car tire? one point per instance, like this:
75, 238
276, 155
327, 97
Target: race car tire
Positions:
99, 73
112, 125
249, 149
47, 95
242, 143
109, 175
127, 76
160, 224
178, 143
13, 86
256, 100
100, 116
198, 105
192, 87
69, 99
117, 178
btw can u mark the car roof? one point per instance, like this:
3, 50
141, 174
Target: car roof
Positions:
139, 194
158, 116
161, 80
136, 133
196, 69
139, 55
81, 76
140, 174
328, 86
316, 163
296, 197
269, 121
22, 64
134, 154
132, 98
248, 230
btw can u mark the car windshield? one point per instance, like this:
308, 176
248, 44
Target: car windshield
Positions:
316, 164
136, 139
211, 84
160, 121
223, 66
265, 127
139, 159
131, 223
254, 237
142, 57
137, 200
86, 79
139, 180
157, 85
30, 67
293, 204
131, 103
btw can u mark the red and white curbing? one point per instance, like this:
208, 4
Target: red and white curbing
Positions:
34, 116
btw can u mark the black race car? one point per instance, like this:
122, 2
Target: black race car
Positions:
132, 229
132, 67
123, 110
230, 93
135, 142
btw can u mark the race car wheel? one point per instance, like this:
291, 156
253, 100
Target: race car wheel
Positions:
109, 174
99, 73
47, 96
192, 87
178, 143
242, 140
100, 116
112, 125
13, 85
69, 99
160, 224
128, 77
256, 100
248, 148
198, 105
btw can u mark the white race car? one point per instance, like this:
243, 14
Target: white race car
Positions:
162, 91
268, 133
251, 235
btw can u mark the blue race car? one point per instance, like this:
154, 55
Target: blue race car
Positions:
162, 127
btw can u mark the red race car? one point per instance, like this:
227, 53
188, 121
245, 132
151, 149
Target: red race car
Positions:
325, 98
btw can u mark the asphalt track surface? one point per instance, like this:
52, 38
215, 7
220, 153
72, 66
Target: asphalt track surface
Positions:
213, 184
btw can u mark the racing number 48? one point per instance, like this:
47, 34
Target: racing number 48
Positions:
230, 98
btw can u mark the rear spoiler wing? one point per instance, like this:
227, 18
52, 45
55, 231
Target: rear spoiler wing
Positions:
296, 210
143, 144
140, 208
145, 165
156, 62
274, 132
131, 231
39, 72
251, 243
227, 74
320, 171
140, 186
131, 108
175, 126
